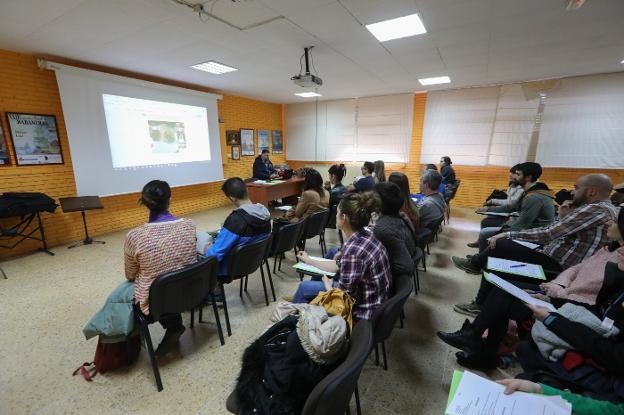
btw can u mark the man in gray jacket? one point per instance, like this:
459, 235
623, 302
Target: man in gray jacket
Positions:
432, 207
536, 209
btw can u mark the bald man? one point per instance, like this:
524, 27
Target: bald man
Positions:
580, 231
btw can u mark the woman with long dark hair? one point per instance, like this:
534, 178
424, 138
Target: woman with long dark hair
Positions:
313, 199
334, 186
409, 207
163, 244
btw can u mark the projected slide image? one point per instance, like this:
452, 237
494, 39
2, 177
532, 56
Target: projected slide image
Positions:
150, 133
167, 136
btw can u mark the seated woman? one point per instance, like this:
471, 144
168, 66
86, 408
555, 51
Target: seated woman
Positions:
363, 265
379, 174
164, 244
334, 186
409, 206
394, 229
313, 199
581, 405
580, 284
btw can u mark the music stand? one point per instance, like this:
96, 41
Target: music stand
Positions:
82, 204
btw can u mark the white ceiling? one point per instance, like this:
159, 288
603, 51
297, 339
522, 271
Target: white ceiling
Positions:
475, 42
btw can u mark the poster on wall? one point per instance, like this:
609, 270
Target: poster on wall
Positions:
232, 138
4, 150
263, 140
247, 142
278, 143
35, 138
236, 152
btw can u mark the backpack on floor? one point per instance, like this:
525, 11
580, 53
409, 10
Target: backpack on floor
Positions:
111, 355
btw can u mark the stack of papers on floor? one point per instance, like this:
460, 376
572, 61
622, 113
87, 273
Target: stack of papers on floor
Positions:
473, 395
523, 269
306, 268
519, 293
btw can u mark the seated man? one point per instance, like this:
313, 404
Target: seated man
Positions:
432, 206
579, 232
247, 224
262, 167
535, 208
366, 182
514, 193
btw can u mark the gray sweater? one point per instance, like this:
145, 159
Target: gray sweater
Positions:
396, 235
431, 209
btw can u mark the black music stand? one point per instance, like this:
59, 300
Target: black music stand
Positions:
82, 204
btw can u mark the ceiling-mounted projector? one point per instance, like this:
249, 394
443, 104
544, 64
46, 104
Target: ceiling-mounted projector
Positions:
307, 80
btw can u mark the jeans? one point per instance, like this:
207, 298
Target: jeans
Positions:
485, 234
308, 290
493, 221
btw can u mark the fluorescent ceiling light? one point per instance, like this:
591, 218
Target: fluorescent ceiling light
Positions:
308, 94
622, 62
397, 28
214, 67
435, 81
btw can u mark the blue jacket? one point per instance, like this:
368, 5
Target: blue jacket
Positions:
247, 224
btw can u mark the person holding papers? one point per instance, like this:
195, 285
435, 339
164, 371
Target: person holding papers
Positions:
580, 231
362, 264
535, 207
581, 405
494, 307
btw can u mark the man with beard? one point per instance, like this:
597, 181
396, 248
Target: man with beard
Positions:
579, 232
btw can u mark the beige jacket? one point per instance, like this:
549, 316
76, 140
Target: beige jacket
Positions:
311, 203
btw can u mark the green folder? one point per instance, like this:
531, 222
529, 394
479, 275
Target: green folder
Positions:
457, 377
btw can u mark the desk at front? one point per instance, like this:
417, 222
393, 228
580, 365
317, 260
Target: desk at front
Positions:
264, 193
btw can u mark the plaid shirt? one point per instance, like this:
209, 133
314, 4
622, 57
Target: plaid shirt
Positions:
365, 273
576, 236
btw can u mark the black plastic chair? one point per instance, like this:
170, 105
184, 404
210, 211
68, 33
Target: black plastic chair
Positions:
284, 239
315, 226
388, 313
333, 394
177, 291
242, 262
422, 239
451, 192
435, 227
417, 258
331, 224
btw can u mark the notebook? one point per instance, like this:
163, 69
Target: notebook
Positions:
303, 267
522, 269
519, 293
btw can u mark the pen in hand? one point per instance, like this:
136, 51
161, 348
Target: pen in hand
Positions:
518, 266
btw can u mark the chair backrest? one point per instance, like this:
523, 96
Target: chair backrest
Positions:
247, 258
452, 190
183, 289
286, 237
315, 224
423, 236
434, 226
387, 314
331, 218
332, 395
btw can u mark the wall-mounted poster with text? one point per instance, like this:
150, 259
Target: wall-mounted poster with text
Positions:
35, 138
278, 142
263, 140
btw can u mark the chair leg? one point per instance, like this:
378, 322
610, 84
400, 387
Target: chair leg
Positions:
266, 295
385, 359
246, 281
425, 263
225, 310
358, 408
215, 310
201, 313
240, 289
376, 355
402, 317
428, 253
266, 262
279, 266
152, 356
275, 262
193, 318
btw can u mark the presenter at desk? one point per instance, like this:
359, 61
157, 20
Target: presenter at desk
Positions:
262, 167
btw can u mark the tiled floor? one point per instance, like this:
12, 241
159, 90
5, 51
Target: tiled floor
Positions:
47, 300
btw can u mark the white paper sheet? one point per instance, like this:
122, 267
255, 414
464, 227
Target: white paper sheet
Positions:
285, 208
477, 396
529, 245
310, 268
523, 269
503, 214
517, 292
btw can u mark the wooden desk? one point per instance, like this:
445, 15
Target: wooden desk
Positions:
264, 193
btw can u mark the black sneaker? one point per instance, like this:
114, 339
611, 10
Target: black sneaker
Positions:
471, 309
465, 265
464, 339
170, 339
477, 361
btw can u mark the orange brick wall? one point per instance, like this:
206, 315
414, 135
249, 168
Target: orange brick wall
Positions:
476, 182
26, 88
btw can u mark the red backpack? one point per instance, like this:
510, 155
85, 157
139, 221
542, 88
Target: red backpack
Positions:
110, 356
